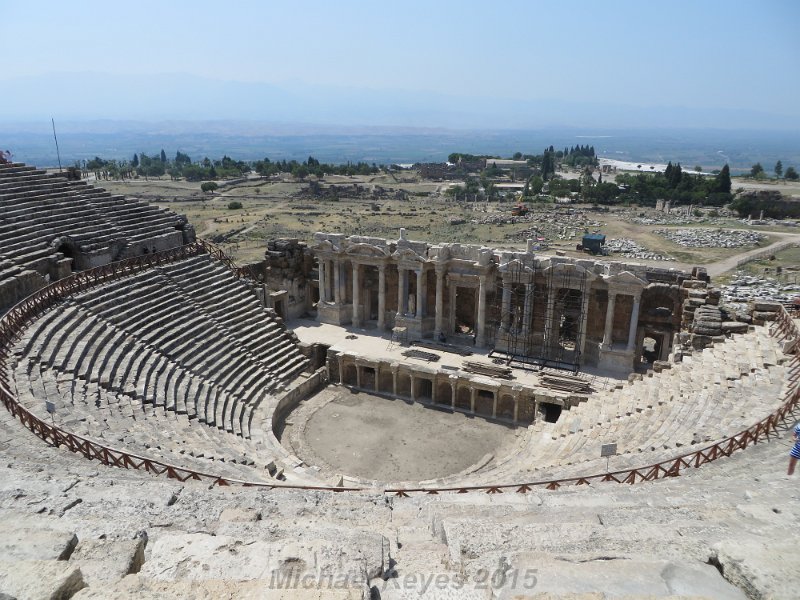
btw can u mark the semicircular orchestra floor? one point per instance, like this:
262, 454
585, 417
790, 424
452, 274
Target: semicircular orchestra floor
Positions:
373, 437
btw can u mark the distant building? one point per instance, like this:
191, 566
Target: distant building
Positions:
518, 169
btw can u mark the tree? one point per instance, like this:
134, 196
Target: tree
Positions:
791, 174
135, 161
208, 186
723, 181
235, 205
163, 156
698, 168
757, 171
779, 169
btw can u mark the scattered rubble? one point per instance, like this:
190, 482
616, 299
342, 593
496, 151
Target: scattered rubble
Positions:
628, 248
747, 288
712, 238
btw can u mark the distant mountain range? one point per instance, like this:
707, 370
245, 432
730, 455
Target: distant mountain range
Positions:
179, 96
32, 142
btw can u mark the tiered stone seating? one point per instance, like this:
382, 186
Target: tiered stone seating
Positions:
62, 515
40, 211
708, 397
169, 346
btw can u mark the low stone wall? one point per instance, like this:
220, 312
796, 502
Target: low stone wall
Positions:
301, 389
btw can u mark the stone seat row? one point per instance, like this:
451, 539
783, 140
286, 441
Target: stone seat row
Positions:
161, 301
121, 216
142, 336
120, 421
672, 421
666, 427
100, 352
729, 361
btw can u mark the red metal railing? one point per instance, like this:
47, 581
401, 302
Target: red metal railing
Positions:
13, 322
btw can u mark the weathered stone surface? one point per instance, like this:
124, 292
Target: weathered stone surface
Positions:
140, 588
240, 515
694, 284
734, 327
764, 316
619, 577
761, 568
40, 579
761, 306
108, 560
21, 543
200, 556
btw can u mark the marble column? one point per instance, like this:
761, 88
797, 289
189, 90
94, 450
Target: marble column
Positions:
437, 332
356, 295
394, 380
453, 389
323, 281
480, 338
516, 407
452, 315
473, 393
525, 326
412, 389
340, 358
633, 324
494, 405
581, 344
420, 294
337, 283
549, 319
381, 297
399, 290
609, 330
505, 317
402, 290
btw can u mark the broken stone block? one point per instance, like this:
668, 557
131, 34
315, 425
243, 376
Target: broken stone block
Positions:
734, 327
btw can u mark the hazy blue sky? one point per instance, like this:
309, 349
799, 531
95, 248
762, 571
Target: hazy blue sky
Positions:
343, 61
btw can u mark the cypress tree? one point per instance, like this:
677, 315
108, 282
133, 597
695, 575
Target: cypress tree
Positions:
723, 183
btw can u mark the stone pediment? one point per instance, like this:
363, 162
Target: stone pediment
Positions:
325, 246
626, 279
571, 269
407, 255
366, 250
515, 265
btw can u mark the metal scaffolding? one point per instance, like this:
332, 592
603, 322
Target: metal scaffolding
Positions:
542, 317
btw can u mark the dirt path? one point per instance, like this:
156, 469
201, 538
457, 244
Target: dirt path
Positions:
722, 266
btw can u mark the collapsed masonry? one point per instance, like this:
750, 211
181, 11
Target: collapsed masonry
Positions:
51, 225
547, 310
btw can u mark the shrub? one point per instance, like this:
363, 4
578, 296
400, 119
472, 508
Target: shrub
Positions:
235, 205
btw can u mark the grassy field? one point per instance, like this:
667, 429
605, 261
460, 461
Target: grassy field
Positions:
380, 205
